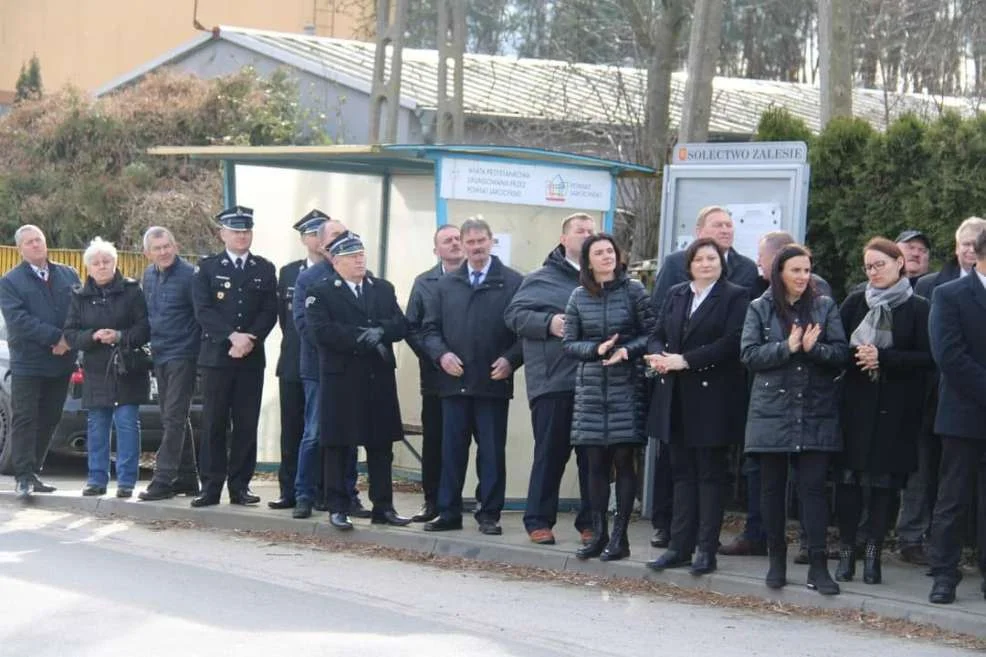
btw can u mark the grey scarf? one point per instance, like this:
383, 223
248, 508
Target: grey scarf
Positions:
877, 326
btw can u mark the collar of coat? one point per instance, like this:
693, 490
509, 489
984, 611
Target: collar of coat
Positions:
495, 272
115, 286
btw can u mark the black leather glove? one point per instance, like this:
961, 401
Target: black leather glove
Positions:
370, 337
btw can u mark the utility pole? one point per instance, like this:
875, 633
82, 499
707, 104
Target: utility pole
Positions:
451, 122
835, 59
385, 93
703, 51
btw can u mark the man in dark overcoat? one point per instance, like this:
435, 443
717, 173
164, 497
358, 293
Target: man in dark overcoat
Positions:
958, 315
354, 320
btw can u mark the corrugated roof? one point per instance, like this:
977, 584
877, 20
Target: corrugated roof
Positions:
563, 91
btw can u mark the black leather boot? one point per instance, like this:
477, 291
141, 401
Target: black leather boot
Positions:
619, 544
600, 537
846, 569
818, 573
777, 570
872, 570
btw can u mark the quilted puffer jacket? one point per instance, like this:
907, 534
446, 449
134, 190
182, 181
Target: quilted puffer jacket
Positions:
610, 401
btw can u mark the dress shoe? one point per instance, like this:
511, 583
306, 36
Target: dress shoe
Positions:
156, 492
942, 592
441, 524
189, 486
92, 491
282, 503
124, 492
302, 510
703, 563
846, 569
543, 536
340, 521
427, 513
777, 569
670, 559
42, 487
661, 538
244, 498
357, 510
23, 488
204, 499
819, 578
914, 553
490, 528
389, 517
742, 546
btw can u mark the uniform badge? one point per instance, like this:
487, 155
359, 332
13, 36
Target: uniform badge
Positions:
338, 283
225, 261
220, 295
289, 305
309, 301
196, 269
227, 285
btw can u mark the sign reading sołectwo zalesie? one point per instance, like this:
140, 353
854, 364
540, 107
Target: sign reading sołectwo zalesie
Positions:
756, 152
525, 184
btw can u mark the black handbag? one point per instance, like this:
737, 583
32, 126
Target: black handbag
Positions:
131, 361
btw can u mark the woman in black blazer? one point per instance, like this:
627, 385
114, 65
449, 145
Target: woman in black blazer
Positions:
883, 401
699, 400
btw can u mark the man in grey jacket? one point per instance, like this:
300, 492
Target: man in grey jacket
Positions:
537, 315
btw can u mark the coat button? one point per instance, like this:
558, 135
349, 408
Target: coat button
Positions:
799, 368
705, 384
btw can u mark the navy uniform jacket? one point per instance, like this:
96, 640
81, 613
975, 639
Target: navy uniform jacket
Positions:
289, 360
35, 312
308, 367
228, 300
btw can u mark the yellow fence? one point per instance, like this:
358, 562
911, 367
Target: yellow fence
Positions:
130, 263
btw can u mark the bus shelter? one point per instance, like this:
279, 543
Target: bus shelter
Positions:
395, 197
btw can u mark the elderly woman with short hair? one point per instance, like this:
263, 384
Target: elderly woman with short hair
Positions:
107, 322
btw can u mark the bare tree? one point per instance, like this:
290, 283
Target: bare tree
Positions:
835, 55
703, 53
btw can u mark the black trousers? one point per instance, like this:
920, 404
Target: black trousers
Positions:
431, 446
176, 455
338, 489
699, 475
292, 399
811, 469
551, 417
663, 489
36, 406
600, 461
849, 509
229, 394
961, 460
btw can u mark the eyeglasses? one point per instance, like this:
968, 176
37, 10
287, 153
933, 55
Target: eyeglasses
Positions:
875, 266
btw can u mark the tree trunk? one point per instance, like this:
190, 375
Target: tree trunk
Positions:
835, 55
703, 52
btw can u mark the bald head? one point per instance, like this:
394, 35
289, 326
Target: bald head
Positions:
328, 231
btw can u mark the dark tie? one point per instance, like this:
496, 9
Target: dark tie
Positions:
476, 275
239, 263
43, 273
359, 292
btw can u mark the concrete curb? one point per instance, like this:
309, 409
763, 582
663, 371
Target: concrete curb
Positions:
956, 617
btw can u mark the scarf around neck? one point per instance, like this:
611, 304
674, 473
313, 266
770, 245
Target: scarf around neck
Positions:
878, 324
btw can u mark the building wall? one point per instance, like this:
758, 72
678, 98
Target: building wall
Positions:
90, 42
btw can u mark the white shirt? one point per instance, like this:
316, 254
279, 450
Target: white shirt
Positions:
982, 277
232, 258
698, 297
352, 287
963, 272
484, 271
308, 263
574, 264
38, 270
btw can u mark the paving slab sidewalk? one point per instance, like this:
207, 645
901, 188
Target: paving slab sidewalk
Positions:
903, 594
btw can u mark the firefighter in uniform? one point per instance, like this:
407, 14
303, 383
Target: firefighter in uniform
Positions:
235, 297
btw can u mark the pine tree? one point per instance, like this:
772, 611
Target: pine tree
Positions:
29, 81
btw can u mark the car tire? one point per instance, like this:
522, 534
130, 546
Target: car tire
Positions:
6, 449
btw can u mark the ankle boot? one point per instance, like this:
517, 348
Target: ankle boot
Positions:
872, 570
818, 573
619, 544
777, 572
600, 537
846, 569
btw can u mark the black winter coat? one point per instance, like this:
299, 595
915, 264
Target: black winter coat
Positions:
422, 290
469, 322
881, 420
358, 391
711, 394
794, 401
289, 360
610, 401
119, 305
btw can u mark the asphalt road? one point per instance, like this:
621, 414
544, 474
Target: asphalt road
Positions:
77, 586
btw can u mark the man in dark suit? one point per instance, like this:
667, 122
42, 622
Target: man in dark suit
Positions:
716, 223
235, 296
465, 335
35, 297
291, 392
958, 315
448, 249
354, 320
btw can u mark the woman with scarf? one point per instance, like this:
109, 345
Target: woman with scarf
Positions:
883, 401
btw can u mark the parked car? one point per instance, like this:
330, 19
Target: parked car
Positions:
70, 434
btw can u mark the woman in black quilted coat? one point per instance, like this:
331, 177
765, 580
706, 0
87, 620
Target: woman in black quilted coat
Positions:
607, 324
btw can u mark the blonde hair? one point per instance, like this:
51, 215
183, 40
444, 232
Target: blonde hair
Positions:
704, 213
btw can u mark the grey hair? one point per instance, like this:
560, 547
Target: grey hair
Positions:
972, 224
99, 246
154, 232
476, 223
776, 240
26, 228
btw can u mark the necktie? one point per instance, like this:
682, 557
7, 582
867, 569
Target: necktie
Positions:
43, 273
359, 292
476, 275
239, 263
